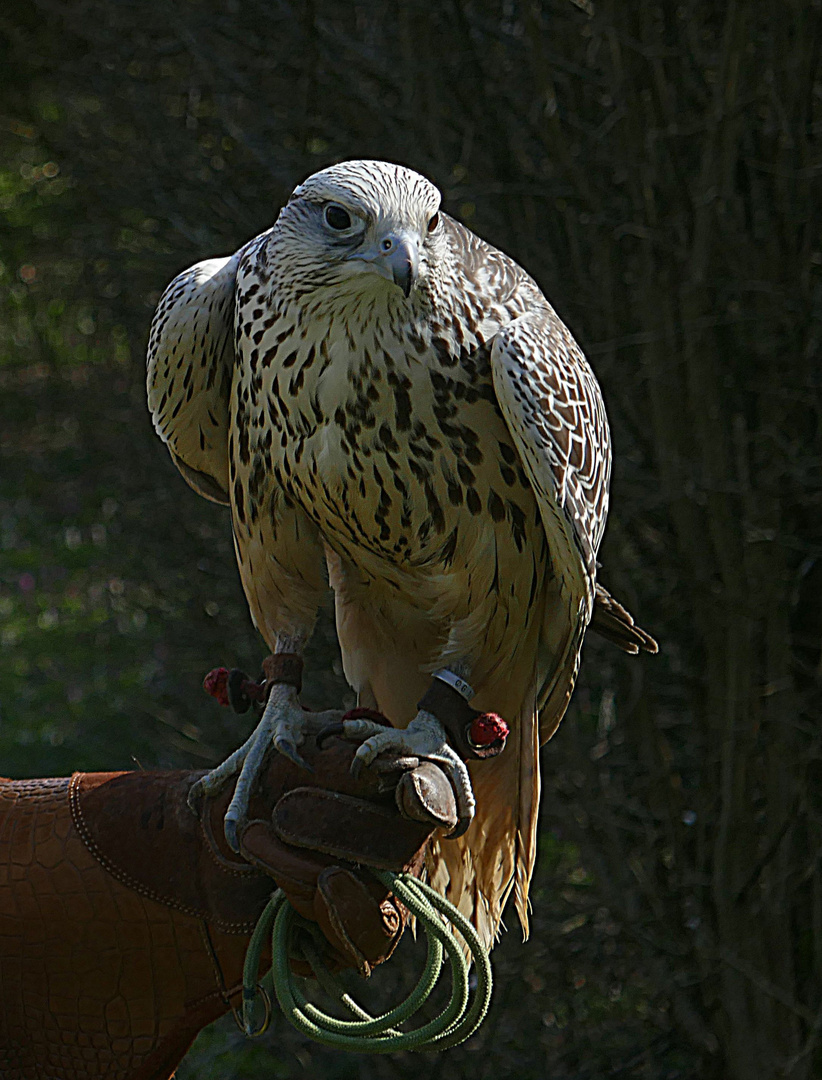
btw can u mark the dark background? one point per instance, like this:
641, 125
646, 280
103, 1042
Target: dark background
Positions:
656, 166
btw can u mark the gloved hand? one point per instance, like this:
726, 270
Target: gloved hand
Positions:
323, 833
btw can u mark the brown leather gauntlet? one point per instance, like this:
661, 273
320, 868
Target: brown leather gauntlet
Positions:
125, 917
124, 921
318, 842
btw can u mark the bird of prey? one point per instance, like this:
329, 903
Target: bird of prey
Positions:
390, 405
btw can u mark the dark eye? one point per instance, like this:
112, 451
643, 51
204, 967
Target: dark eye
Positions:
337, 217
433, 223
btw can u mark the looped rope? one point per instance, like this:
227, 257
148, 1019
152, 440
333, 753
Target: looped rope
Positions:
292, 935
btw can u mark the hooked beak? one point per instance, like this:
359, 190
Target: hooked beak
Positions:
395, 257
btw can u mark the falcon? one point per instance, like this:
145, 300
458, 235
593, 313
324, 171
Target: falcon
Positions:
390, 406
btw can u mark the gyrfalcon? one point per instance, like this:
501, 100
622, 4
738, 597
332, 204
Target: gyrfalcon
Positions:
390, 405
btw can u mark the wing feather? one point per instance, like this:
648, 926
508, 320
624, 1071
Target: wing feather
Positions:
190, 362
552, 404
616, 624
553, 407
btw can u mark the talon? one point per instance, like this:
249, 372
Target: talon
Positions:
368, 750
288, 749
328, 732
283, 725
460, 828
195, 794
360, 730
230, 830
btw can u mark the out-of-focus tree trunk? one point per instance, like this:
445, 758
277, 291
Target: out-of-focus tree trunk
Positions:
716, 157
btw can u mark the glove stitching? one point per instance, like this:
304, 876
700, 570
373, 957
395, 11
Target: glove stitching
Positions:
126, 879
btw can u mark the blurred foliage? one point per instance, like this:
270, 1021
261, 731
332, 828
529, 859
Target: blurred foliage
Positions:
653, 165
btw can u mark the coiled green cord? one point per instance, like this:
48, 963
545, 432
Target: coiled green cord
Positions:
366, 1033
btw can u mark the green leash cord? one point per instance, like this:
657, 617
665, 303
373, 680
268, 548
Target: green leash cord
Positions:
366, 1033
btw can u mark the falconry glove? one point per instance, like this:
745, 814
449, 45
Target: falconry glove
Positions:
326, 829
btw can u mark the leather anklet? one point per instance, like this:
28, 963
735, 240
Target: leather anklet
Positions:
285, 668
449, 706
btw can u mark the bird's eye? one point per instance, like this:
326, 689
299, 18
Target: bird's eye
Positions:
337, 217
433, 223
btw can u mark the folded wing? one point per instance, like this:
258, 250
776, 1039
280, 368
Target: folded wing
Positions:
190, 363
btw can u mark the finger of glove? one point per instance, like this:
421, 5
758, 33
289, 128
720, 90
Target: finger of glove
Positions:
425, 794
300, 873
348, 828
295, 871
355, 922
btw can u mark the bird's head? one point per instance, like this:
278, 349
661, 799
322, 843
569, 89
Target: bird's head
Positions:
361, 225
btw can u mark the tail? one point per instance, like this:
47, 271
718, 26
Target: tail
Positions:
477, 872
613, 622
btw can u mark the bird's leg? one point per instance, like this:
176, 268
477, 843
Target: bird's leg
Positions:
284, 724
439, 732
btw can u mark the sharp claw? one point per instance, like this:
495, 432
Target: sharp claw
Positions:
460, 827
195, 793
328, 731
288, 749
230, 828
356, 767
